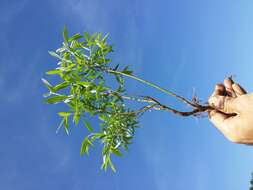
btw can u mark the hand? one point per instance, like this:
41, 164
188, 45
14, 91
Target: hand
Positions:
233, 114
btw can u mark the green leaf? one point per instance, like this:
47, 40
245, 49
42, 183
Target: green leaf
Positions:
48, 85
117, 98
64, 114
85, 146
126, 68
116, 152
105, 150
70, 67
56, 99
84, 83
88, 126
76, 118
93, 37
54, 55
105, 162
116, 67
98, 136
105, 37
120, 79
47, 94
127, 72
65, 35
112, 166
61, 86
99, 89
98, 36
59, 127
75, 37
87, 36
66, 125
103, 117
53, 72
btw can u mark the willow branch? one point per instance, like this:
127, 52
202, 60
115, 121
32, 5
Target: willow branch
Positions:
199, 108
154, 86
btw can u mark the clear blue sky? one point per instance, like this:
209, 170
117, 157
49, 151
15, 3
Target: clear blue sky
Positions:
180, 45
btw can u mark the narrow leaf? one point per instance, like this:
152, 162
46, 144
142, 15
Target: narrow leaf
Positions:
66, 125
54, 55
65, 35
59, 127
53, 72
84, 83
103, 117
105, 37
112, 166
116, 67
87, 36
64, 114
75, 37
127, 72
48, 85
76, 118
85, 146
61, 86
116, 152
88, 126
56, 99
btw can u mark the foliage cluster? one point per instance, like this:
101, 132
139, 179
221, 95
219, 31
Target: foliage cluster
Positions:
83, 64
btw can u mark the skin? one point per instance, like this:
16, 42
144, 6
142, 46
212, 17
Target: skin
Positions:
233, 114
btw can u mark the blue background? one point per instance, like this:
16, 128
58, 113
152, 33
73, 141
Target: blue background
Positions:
181, 45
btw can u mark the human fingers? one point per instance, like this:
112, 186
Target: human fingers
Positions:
219, 90
224, 104
228, 82
227, 125
238, 89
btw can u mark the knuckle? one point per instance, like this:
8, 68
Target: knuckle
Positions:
229, 105
216, 101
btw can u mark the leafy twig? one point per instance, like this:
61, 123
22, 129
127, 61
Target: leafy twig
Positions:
84, 69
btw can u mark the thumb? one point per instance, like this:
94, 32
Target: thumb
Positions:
224, 104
